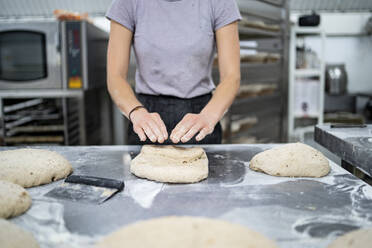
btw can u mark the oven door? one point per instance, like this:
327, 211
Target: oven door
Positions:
30, 55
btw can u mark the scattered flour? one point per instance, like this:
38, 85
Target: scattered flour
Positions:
143, 191
45, 221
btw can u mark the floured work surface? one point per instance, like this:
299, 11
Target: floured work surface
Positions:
295, 212
353, 145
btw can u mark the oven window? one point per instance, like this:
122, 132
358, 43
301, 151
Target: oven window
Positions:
22, 56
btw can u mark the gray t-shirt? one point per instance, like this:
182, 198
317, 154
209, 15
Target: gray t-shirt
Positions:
174, 42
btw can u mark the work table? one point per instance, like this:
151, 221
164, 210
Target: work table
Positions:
296, 212
352, 145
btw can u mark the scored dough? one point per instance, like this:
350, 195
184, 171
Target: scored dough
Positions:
32, 167
180, 154
171, 164
12, 236
361, 238
185, 232
291, 160
14, 200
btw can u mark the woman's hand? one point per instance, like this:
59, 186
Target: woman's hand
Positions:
191, 124
149, 125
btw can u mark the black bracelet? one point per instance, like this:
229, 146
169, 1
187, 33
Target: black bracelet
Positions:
134, 109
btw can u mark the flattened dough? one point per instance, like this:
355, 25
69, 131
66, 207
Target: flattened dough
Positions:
185, 232
12, 236
361, 238
14, 200
32, 167
291, 160
171, 164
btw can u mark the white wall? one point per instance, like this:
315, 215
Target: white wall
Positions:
347, 43
356, 53
341, 24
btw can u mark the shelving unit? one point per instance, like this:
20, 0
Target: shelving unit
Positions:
54, 117
264, 34
296, 132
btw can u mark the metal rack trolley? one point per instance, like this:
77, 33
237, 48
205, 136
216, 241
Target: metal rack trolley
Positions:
269, 109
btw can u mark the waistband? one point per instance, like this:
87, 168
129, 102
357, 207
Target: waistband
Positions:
174, 98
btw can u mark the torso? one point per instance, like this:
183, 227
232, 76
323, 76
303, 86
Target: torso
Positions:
174, 44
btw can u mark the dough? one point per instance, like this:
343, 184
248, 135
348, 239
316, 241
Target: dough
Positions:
12, 236
185, 232
291, 160
32, 167
180, 154
171, 164
361, 238
14, 200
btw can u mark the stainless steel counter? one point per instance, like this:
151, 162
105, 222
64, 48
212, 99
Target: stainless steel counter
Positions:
296, 212
352, 145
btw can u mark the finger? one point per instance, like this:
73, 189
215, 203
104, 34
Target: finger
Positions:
140, 133
149, 133
202, 134
180, 130
191, 133
156, 130
163, 129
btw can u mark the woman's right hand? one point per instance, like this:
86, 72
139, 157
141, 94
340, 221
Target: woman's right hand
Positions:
149, 125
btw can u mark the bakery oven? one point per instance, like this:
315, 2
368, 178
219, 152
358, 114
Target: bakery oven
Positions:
52, 54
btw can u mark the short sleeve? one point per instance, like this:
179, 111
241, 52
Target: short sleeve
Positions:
225, 12
123, 12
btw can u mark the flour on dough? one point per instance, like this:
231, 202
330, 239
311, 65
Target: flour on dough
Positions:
171, 164
185, 232
12, 236
291, 160
361, 238
32, 167
14, 200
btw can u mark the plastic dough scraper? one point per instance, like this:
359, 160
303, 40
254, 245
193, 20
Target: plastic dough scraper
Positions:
86, 189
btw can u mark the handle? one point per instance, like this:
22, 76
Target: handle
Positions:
348, 125
96, 181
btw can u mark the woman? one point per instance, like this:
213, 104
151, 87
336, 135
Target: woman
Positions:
174, 42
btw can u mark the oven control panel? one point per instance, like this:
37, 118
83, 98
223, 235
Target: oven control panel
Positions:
74, 55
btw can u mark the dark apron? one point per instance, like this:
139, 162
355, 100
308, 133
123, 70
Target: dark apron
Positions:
172, 110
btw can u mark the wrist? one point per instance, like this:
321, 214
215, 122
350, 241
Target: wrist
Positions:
135, 111
211, 115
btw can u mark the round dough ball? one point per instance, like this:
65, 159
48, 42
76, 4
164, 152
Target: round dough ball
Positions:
32, 167
356, 239
171, 164
185, 232
12, 236
14, 200
291, 160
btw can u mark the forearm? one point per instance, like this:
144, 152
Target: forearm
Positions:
223, 97
122, 94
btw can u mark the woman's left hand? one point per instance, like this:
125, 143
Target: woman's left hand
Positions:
191, 124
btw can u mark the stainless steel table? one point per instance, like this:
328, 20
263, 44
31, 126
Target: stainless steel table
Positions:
352, 145
296, 212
